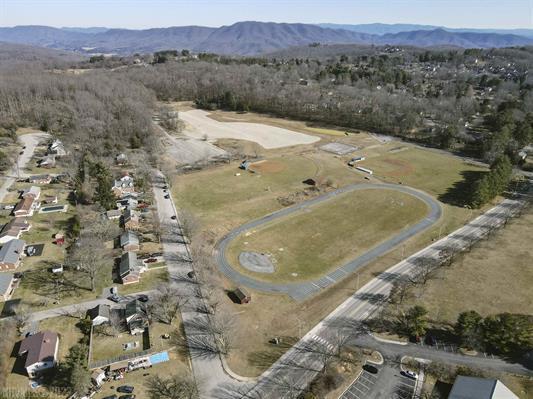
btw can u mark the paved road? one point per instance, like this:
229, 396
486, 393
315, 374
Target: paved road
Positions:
31, 141
207, 368
300, 291
301, 363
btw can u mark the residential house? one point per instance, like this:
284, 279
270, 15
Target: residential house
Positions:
57, 148
135, 317
25, 207
7, 286
242, 295
14, 229
99, 314
123, 185
130, 268
50, 199
113, 214
33, 191
40, 179
121, 159
47, 162
124, 203
41, 352
479, 388
130, 219
129, 241
11, 254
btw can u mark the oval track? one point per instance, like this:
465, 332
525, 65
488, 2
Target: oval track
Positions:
302, 290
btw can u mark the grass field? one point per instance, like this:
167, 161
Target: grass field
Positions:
223, 200
427, 170
497, 270
309, 243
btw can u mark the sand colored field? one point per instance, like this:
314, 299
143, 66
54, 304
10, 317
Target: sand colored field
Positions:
199, 125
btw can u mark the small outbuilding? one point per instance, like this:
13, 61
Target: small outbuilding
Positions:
99, 314
242, 296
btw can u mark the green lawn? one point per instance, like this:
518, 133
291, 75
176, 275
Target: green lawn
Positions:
311, 242
431, 171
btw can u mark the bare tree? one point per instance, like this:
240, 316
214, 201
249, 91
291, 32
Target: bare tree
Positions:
87, 257
400, 290
173, 387
166, 303
21, 317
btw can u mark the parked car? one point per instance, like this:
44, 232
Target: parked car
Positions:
191, 274
125, 389
126, 397
143, 298
167, 196
22, 152
111, 397
150, 260
410, 374
370, 369
114, 298
173, 217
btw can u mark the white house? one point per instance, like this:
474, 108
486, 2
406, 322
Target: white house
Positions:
479, 388
40, 350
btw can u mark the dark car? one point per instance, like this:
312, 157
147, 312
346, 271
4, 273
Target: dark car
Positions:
191, 274
173, 217
126, 397
111, 397
125, 389
370, 369
167, 196
114, 298
143, 298
22, 152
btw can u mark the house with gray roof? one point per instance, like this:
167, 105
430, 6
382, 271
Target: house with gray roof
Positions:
479, 388
130, 268
129, 241
7, 286
135, 317
11, 254
99, 314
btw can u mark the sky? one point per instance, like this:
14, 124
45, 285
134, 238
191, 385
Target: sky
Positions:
138, 14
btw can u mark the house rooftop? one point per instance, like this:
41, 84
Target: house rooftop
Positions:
128, 263
129, 238
99, 310
5, 282
39, 347
12, 251
479, 388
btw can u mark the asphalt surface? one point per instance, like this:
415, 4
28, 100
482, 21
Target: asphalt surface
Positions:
388, 383
303, 290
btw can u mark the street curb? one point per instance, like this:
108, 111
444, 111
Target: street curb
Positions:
379, 362
388, 341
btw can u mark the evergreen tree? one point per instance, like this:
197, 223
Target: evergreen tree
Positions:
469, 329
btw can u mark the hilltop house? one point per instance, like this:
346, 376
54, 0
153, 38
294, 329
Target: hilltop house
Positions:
11, 254
25, 207
7, 286
14, 229
99, 314
41, 352
130, 219
33, 191
129, 241
135, 317
130, 268
40, 179
123, 185
56, 148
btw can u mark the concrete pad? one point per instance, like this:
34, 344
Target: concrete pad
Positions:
256, 262
339, 148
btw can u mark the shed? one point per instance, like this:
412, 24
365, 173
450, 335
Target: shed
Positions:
242, 295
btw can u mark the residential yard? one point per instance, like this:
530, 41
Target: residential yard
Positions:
139, 378
69, 335
309, 243
498, 270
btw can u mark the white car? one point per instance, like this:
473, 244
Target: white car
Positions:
410, 374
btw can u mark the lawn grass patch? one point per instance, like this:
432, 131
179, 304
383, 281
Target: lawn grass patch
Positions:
311, 242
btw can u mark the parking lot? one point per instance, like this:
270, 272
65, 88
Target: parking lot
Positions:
388, 383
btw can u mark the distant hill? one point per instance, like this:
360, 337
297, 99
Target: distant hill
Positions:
12, 52
383, 29
245, 38
93, 29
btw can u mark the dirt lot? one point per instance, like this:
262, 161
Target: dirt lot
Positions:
498, 270
309, 243
198, 125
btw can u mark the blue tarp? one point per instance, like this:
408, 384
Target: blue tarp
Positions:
159, 358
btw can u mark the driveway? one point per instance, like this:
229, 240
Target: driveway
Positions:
200, 126
301, 291
30, 141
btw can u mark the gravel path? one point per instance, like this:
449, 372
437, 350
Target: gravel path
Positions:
301, 291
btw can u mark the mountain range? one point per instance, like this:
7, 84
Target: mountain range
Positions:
252, 38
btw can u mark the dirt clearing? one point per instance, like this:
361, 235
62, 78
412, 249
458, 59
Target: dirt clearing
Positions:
267, 167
